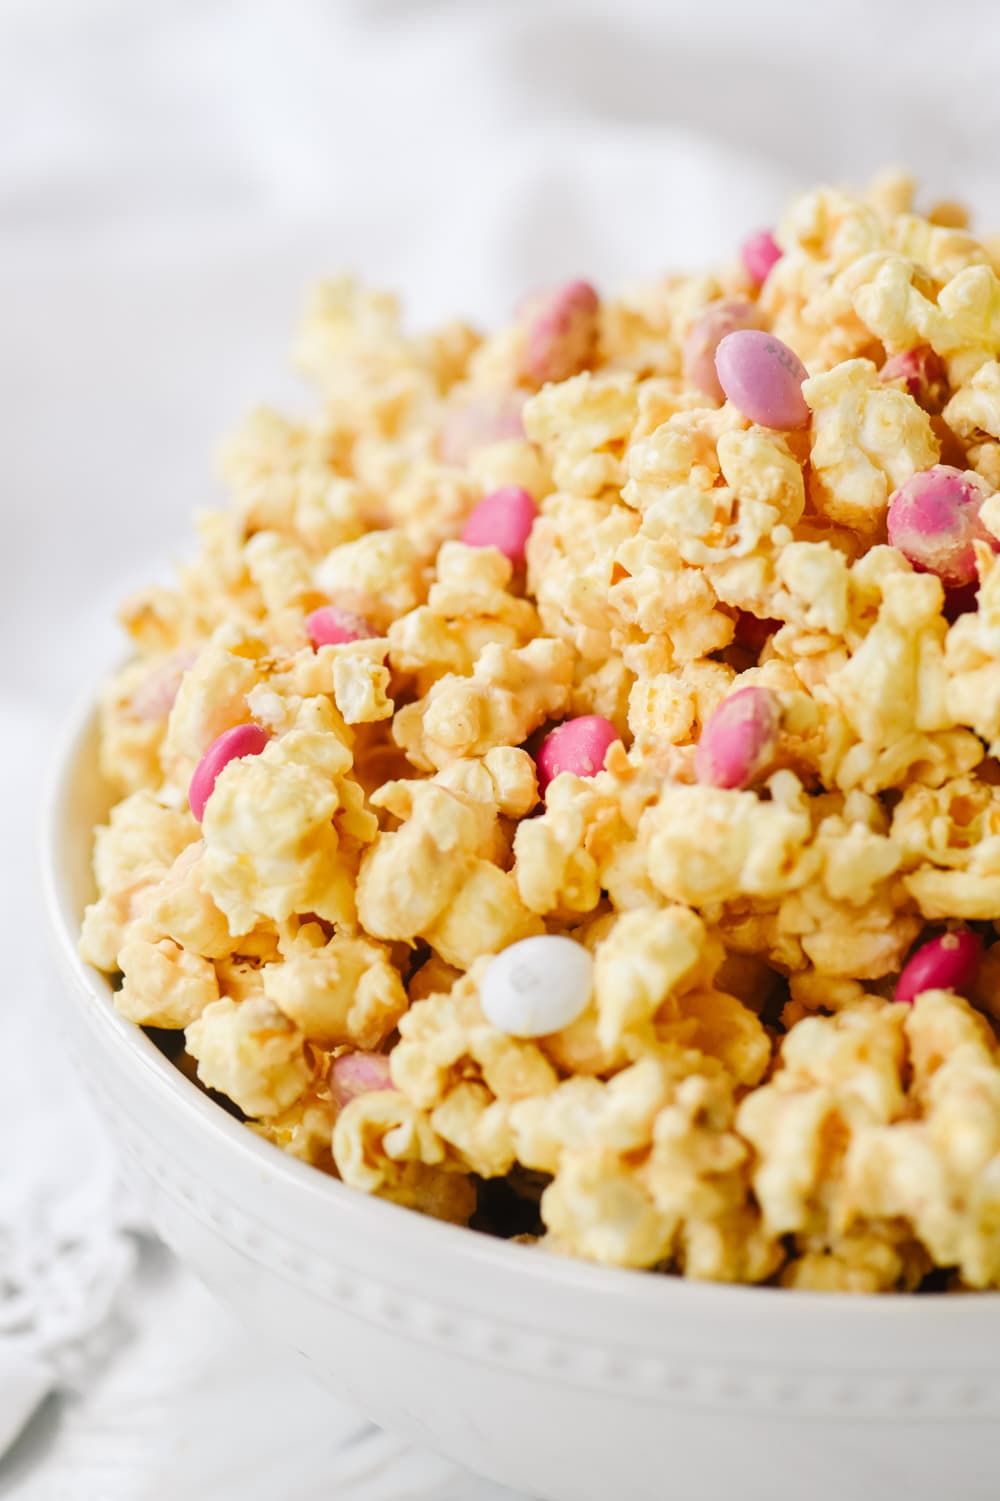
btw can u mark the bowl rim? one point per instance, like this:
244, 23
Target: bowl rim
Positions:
133, 1048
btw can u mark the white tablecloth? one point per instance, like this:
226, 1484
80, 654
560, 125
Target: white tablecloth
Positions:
171, 176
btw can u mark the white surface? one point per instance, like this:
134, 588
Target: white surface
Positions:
171, 175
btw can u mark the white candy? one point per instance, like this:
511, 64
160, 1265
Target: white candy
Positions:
537, 986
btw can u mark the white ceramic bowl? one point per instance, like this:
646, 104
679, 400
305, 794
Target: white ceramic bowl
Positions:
568, 1381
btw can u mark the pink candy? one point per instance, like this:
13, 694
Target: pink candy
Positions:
946, 963
503, 520
922, 374
332, 626
494, 417
354, 1074
579, 745
562, 336
739, 740
934, 520
763, 378
704, 336
759, 253
231, 745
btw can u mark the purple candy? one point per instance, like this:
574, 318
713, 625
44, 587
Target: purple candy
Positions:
763, 378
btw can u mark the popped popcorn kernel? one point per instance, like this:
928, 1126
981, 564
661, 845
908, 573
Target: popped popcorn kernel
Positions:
337, 991
867, 440
163, 984
250, 1052
506, 697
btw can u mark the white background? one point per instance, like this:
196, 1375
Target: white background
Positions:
171, 176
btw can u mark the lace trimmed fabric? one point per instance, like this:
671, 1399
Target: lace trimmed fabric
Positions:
65, 1261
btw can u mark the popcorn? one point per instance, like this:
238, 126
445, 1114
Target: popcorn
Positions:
434, 878
212, 696
939, 1172
706, 846
571, 567
446, 1040
954, 833
867, 440
643, 1173
508, 695
361, 682
839, 1076
973, 414
135, 708
380, 576
337, 991
273, 846
181, 909
383, 1146
655, 638
132, 853
582, 426
283, 477
304, 1130
250, 1052
282, 571
972, 692
468, 607
164, 985
675, 477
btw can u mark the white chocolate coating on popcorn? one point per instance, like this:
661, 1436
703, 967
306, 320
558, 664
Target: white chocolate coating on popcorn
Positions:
740, 1099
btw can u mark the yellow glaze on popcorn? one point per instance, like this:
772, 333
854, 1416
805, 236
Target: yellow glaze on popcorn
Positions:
741, 1099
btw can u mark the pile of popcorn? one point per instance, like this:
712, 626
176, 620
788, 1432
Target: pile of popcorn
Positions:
563, 793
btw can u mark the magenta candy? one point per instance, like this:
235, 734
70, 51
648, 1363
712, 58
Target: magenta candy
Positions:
739, 739
921, 373
231, 745
763, 378
494, 417
332, 626
562, 336
354, 1074
934, 520
946, 963
503, 520
704, 336
579, 746
759, 254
